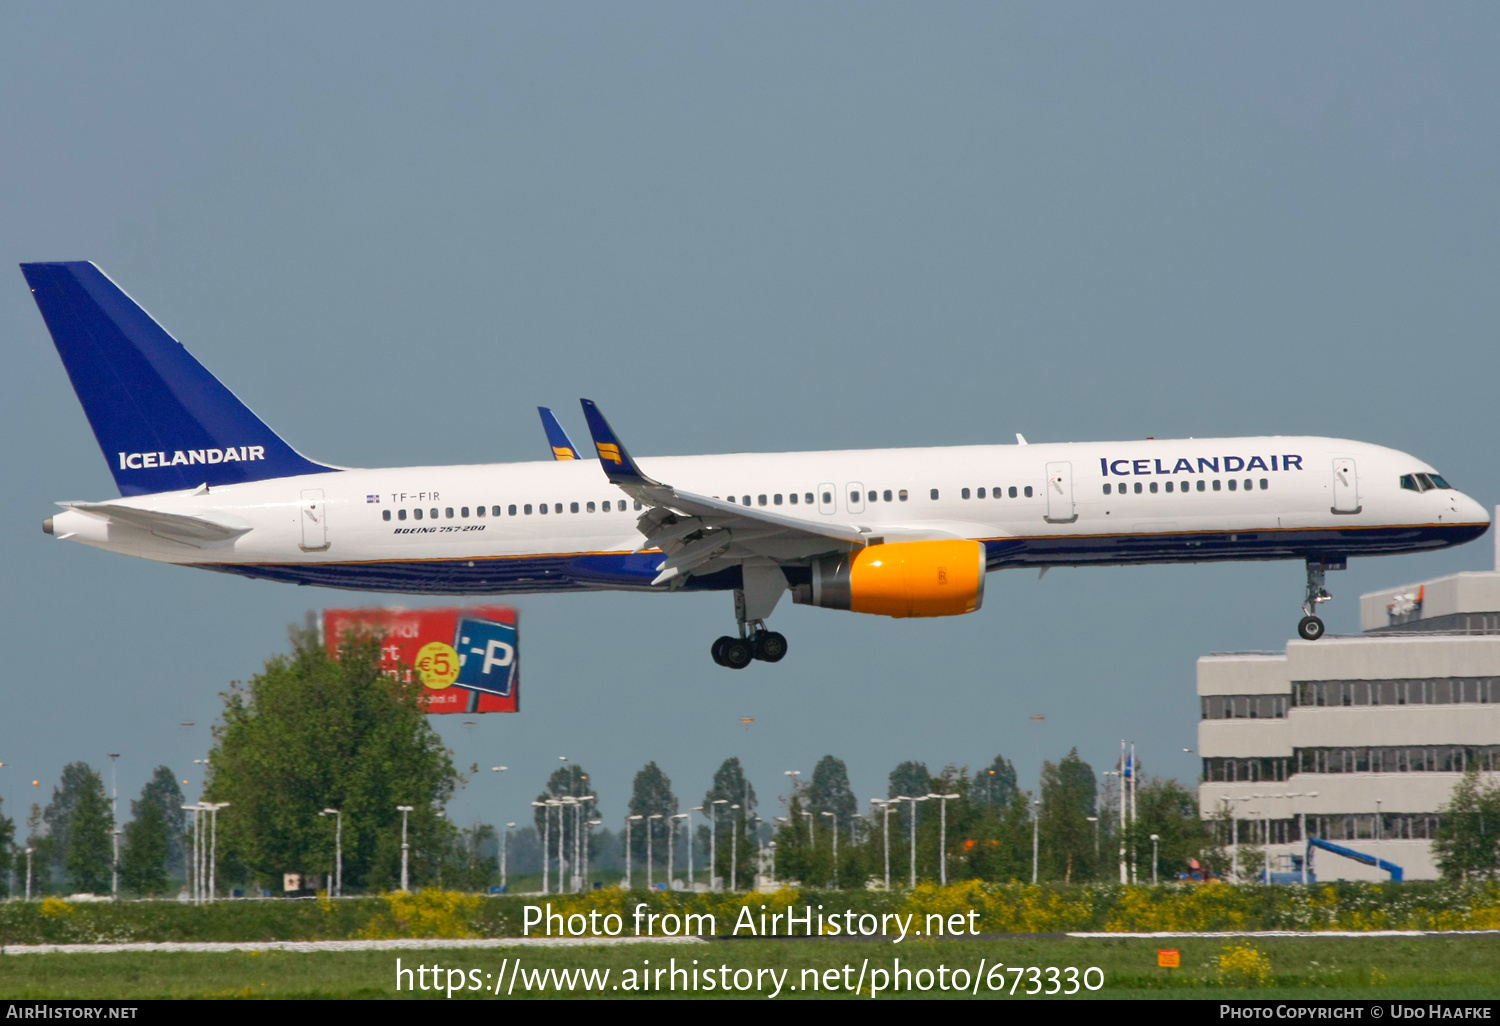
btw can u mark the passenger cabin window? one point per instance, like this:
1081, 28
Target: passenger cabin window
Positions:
964, 494
385, 514
792, 497
809, 498
573, 507
417, 514
1153, 487
980, 493
901, 495
887, 495
1137, 488
512, 510
464, 511
528, 509
776, 499
746, 500
590, 507
854, 498
1216, 485
934, 494
761, 499
1232, 484
1106, 487
1202, 485
479, 511
1012, 492
1028, 491
401, 514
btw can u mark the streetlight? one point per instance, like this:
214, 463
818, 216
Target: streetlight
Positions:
591, 823
772, 846
504, 886
1095, 820
546, 856
197, 873
913, 865
338, 850
628, 820
835, 825
562, 860
28, 872
405, 848
1036, 820
649, 831
713, 841
885, 810
1154, 839
943, 834
734, 851
672, 847
114, 822
212, 808
692, 881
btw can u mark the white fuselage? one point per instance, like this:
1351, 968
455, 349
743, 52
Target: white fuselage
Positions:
1041, 505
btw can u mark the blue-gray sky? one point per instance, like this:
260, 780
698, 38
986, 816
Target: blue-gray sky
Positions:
394, 230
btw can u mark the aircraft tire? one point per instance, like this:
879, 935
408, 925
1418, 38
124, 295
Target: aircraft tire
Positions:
736, 653
770, 646
717, 649
1310, 628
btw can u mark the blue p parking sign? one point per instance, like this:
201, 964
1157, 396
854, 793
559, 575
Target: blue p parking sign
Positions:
488, 656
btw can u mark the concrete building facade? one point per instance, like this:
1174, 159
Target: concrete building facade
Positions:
1358, 740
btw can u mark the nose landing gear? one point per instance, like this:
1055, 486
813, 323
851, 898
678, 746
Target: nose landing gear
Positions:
1310, 627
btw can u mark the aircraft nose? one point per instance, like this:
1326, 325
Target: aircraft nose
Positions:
1472, 511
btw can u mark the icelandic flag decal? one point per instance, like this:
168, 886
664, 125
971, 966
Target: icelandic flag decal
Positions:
372, 498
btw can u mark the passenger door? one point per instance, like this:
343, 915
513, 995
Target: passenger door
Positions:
1060, 508
314, 520
1345, 487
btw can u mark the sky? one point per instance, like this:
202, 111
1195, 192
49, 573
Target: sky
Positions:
395, 230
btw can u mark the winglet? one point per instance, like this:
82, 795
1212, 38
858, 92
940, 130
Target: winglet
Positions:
618, 466
562, 445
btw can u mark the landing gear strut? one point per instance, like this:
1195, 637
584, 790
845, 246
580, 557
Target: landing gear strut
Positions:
754, 641
1310, 627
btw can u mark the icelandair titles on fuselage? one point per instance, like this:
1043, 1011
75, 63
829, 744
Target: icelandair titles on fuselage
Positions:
179, 457
1203, 465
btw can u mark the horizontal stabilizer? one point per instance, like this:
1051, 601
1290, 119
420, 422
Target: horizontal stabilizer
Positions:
174, 526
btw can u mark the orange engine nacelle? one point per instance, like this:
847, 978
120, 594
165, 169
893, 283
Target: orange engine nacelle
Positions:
922, 578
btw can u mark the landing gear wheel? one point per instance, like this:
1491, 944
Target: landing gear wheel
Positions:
735, 653
1310, 628
769, 646
718, 649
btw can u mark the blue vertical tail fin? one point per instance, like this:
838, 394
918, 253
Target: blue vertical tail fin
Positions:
164, 422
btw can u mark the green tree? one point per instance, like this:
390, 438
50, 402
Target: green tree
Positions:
651, 795
163, 789
1467, 846
731, 787
143, 863
910, 779
57, 818
313, 732
1067, 836
996, 783
829, 791
1166, 808
90, 841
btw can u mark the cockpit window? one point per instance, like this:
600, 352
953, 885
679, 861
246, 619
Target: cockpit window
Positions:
1423, 482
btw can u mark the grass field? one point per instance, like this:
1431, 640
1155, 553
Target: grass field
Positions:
1387, 968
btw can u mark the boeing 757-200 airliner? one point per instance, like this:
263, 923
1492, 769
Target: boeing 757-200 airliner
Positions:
894, 532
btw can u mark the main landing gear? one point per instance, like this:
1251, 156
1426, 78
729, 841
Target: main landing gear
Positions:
757, 643
1310, 627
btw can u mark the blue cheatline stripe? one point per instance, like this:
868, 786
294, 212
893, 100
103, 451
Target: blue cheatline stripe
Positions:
635, 570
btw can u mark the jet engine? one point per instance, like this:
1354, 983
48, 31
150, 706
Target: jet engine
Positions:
921, 578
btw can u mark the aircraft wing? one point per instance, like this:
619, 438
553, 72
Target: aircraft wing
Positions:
699, 534
557, 438
178, 527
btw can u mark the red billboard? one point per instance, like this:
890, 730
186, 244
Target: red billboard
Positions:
468, 660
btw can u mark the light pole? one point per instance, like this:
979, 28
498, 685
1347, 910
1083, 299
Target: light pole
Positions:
213, 849
913, 831
197, 870
591, 823
713, 840
1154, 839
834, 823
114, 824
338, 850
692, 880
504, 886
28, 872
546, 828
734, 850
943, 834
672, 849
884, 805
562, 861
501, 769
772, 846
628, 820
1095, 820
1036, 820
405, 848
649, 832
